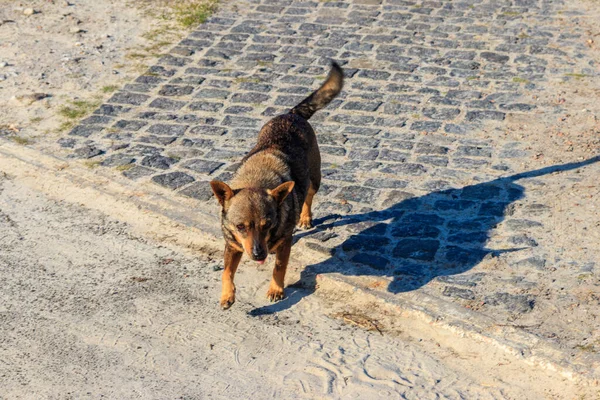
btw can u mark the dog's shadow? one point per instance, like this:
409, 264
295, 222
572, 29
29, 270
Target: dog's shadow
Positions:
418, 239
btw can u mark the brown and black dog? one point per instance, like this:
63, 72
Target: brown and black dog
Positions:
273, 190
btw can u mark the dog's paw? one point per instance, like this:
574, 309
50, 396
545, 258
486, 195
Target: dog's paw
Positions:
227, 300
275, 293
305, 222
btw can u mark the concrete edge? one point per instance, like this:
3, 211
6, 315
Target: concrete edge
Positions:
438, 313
149, 212
180, 222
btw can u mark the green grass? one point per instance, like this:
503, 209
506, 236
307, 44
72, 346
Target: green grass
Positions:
75, 75
20, 140
194, 13
65, 126
125, 167
92, 164
109, 88
516, 79
577, 76
141, 69
511, 13
136, 56
157, 33
588, 348
247, 80
78, 108
35, 120
157, 47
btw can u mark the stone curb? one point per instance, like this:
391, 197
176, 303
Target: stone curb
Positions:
144, 207
437, 313
171, 220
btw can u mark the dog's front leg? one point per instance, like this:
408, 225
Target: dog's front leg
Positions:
232, 260
275, 292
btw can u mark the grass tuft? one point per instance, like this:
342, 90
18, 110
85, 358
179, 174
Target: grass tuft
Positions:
109, 88
577, 76
246, 79
78, 108
588, 348
92, 164
194, 13
20, 140
262, 63
65, 126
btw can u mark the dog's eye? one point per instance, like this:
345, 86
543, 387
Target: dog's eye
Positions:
265, 224
241, 227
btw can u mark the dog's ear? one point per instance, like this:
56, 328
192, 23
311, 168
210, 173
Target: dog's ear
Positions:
222, 192
282, 191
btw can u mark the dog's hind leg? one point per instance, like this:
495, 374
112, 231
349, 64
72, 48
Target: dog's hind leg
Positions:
306, 215
275, 291
314, 173
232, 260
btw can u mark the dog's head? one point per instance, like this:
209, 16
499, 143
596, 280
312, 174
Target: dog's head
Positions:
249, 214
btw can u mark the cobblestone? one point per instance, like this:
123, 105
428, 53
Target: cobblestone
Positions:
156, 161
415, 167
173, 180
87, 151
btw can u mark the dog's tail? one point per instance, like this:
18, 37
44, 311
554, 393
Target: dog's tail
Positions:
322, 96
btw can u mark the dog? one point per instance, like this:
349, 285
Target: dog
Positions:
272, 191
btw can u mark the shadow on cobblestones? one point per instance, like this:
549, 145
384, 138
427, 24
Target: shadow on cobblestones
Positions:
441, 234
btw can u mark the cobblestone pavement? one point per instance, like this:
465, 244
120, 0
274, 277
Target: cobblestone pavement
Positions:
423, 184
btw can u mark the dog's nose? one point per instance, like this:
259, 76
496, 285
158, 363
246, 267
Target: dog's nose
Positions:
258, 253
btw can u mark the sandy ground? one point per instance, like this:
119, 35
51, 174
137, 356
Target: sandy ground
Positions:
70, 51
91, 310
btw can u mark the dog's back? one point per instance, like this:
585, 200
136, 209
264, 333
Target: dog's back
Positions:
291, 139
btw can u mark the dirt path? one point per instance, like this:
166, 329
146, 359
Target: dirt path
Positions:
59, 59
90, 309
